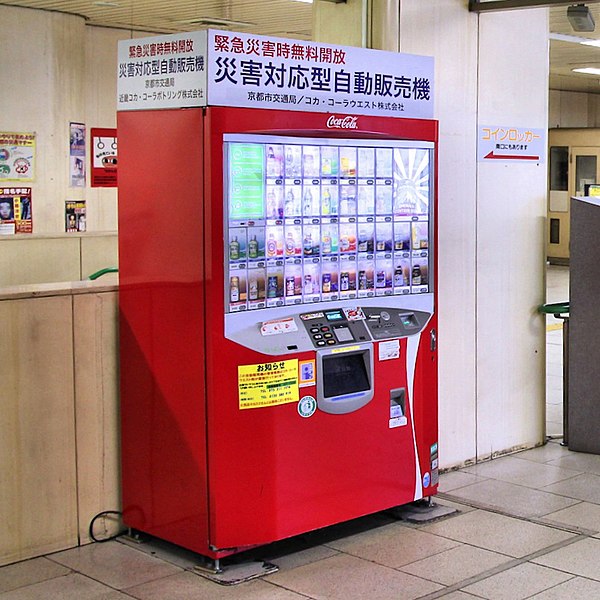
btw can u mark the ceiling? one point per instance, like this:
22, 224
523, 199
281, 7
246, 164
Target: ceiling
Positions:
565, 56
286, 18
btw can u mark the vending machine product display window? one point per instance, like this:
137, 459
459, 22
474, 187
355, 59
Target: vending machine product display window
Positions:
312, 220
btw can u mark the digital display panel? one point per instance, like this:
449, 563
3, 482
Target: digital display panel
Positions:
334, 315
312, 220
345, 374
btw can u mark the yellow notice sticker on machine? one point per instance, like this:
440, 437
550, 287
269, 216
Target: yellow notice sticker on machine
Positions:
268, 384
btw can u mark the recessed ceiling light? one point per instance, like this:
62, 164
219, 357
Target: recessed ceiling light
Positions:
216, 22
587, 70
107, 3
307, 1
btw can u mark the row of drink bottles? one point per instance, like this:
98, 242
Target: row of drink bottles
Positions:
294, 199
309, 282
296, 160
325, 239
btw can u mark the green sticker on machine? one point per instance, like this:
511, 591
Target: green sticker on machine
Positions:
246, 181
307, 406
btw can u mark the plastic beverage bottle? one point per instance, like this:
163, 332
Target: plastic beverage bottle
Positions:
234, 249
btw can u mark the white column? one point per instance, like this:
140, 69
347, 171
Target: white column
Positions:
511, 211
491, 224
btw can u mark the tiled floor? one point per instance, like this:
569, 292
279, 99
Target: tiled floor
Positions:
528, 526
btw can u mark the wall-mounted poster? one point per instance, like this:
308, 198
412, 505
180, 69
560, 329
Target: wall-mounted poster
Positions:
104, 158
77, 155
15, 210
17, 156
75, 216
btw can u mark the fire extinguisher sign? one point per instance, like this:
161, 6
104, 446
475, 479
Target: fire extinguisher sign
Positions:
268, 384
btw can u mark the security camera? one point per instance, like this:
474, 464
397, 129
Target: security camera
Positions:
580, 18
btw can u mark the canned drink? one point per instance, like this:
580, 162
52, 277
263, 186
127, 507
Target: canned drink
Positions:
416, 275
362, 280
272, 287
308, 284
253, 290
290, 284
234, 289
326, 288
344, 281
398, 277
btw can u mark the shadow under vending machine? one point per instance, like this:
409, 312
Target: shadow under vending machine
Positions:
278, 317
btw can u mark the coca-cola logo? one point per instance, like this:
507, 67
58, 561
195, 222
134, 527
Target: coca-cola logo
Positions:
342, 122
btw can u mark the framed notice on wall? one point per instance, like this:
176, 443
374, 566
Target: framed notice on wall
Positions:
103, 158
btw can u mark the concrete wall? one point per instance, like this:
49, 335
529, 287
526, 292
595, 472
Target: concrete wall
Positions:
56, 70
573, 109
52, 258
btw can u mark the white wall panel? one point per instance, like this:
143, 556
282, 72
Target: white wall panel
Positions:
448, 31
511, 209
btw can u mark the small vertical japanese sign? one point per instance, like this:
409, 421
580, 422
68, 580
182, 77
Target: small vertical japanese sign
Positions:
268, 384
104, 157
77, 154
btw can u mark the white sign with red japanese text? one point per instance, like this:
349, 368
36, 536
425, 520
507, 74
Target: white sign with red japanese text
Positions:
222, 68
511, 144
264, 72
164, 71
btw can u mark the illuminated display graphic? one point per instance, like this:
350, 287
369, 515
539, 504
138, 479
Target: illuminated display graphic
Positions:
314, 220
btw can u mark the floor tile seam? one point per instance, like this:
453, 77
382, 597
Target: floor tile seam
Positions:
533, 520
400, 567
22, 587
455, 587
526, 487
596, 475
505, 566
112, 587
72, 572
529, 487
287, 589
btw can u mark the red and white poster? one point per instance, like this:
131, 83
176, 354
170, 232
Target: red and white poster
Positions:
15, 210
104, 157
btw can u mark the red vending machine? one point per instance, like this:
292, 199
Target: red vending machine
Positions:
278, 315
